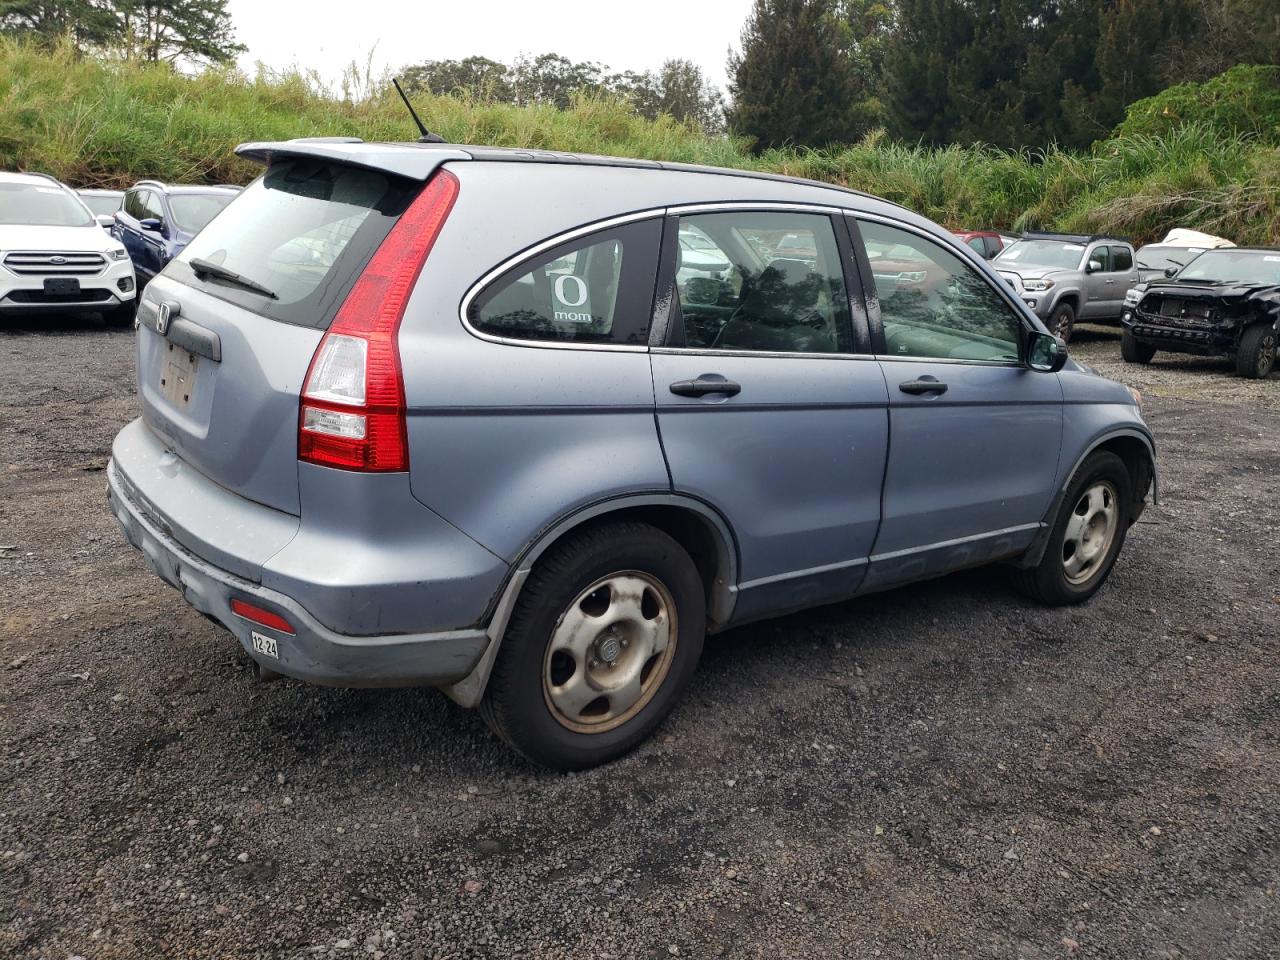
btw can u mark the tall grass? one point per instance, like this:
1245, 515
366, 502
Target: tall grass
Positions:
96, 123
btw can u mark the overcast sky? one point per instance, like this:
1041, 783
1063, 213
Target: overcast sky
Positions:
328, 34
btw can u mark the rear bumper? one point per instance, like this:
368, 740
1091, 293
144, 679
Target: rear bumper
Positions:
312, 652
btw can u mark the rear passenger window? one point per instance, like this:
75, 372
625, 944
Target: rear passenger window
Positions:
596, 289
762, 282
979, 245
133, 204
1121, 259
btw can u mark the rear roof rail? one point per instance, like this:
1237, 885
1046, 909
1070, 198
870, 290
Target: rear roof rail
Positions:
151, 183
1072, 237
42, 175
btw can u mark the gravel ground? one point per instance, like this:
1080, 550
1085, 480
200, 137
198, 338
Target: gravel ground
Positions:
945, 770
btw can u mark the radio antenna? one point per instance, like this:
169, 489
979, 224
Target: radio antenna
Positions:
426, 135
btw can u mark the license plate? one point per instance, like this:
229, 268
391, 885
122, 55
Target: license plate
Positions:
61, 285
178, 376
265, 645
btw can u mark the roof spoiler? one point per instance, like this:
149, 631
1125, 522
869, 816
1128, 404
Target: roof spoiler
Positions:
414, 164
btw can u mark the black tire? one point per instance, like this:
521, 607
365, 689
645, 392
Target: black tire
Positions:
515, 704
1062, 323
1048, 582
1133, 350
1256, 356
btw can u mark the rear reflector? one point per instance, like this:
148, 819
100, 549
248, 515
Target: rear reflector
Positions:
352, 414
265, 618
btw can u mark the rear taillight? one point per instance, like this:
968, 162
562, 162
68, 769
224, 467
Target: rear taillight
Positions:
353, 410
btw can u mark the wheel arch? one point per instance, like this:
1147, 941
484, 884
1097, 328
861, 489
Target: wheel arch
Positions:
700, 529
1138, 452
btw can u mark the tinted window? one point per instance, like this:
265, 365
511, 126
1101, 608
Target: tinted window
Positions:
994, 246
31, 204
933, 304
596, 289
193, 211
152, 207
133, 204
1121, 259
304, 230
757, 281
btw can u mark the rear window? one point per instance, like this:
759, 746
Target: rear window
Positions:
101, 204
37, 205
304, 230
193, 211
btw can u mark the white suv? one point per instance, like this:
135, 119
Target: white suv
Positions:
54, 256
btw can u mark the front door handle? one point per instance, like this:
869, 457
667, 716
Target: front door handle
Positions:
923, 385
704, 385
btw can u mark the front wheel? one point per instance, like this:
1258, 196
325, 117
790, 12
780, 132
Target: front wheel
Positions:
1133, 350
1087, 534
1256, 355
602, 644
1063, 322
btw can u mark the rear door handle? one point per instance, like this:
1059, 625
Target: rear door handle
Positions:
923, 385
704, 385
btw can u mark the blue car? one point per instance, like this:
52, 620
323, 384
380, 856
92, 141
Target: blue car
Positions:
463, 417
156, 222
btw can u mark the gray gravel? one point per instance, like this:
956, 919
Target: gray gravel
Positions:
941, 771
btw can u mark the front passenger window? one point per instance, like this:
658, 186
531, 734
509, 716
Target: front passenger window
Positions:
933, 304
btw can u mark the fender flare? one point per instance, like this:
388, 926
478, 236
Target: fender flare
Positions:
468, 691
1035, 552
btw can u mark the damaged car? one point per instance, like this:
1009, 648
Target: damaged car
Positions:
1224, 303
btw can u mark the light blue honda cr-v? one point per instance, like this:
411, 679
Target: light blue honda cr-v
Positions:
526, 426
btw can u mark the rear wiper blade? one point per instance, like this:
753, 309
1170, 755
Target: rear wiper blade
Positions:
203, 268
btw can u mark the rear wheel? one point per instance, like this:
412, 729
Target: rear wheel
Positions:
1087, 534
1133, 350
602, 643
1063, 322
1256, 355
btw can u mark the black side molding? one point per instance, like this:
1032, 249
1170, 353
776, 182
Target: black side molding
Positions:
195, 339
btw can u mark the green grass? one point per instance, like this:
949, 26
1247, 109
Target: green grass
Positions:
95, 123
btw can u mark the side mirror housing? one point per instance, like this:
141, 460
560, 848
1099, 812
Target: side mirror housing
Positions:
1093, 267
106, 221
152, 223
1171, 272
1046, 353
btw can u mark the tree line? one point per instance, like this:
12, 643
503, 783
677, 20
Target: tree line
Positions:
1013, 73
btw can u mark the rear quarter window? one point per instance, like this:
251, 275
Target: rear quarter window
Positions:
596, 289
304, 230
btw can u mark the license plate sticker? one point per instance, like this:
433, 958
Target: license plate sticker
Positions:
265, 645
178, 376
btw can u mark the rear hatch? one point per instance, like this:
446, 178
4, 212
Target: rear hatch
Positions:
228, 330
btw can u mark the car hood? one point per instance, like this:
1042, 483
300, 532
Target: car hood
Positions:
1030, 271
90, 239
1215, 290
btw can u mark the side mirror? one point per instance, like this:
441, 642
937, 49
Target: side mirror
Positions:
152, 223
1170, 272
1046, 353
1094, 266
106, 221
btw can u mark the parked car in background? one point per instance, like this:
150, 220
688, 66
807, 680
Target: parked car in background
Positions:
1170, 255
1224, 302
495, 446
54, 256
1066, 277
985, 243
157, 221
103, 204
